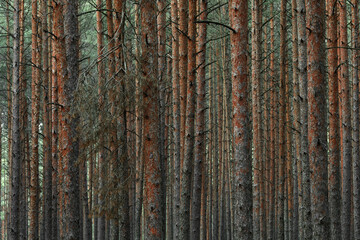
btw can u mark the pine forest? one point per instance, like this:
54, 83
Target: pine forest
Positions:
179, 119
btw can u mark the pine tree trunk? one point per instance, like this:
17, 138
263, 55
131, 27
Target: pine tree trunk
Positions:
187, 165
242, 164
334, 124
46, 122
176, 119
305, 213
153, 180
69, 120
355, 121
315, 18
198, 183
282, 123
16, 148
345, 123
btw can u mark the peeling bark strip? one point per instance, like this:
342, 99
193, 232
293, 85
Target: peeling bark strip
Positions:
241, 166
315, 17
334, 124
152, 180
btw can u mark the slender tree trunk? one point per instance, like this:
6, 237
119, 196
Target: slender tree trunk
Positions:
101, 80
241, 166
334, 124
305, 212
355, 121
16, 153
296, 123
345, 123
273, 100
256, 114
198, 183
176, 119
46, 116
187, 165
317, 117
282, 122
183, 64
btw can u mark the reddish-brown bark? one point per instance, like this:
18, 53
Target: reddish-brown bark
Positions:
152, 179
35, 108
241, 166
334, 125
315, 17
345, 123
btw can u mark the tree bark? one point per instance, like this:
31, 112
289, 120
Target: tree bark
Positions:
153, 180
198, 184
16, 153
334, 124
69, 120
315, 18
345, 123
242, 164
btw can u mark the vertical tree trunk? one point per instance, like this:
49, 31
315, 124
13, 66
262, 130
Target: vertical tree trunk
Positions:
46, 115
15, 178
256, 114
317, 117
153, 184
282, 122
56, 63
35, 108
273, 101
198, 183
139, 135
183, 64
355, 121
345, 123
69, 120
187, 166
124, 224
176, 118
101, 79
304, 223
296, 123
241, 166
334, 124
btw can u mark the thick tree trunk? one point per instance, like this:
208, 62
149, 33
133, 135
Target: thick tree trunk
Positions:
242, 164
315, 18
69, 120
153, 180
